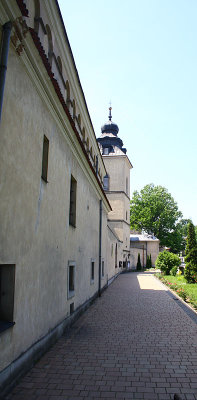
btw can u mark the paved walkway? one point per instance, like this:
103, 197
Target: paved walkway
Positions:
135, 342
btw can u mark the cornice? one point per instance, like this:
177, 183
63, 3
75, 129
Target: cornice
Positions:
118, 220
117, 191
59, 30
120, 156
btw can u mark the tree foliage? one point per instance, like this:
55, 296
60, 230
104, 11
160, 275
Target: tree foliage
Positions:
191, 255
166, 261
154, 210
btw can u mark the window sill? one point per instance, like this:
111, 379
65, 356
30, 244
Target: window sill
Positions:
71, 294
44, 179
4, 325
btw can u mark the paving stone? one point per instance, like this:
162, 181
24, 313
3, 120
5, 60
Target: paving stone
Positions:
135, 342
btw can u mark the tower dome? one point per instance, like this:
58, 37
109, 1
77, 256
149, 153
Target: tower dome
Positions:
110, 126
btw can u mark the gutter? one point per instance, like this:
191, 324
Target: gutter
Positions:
7, 27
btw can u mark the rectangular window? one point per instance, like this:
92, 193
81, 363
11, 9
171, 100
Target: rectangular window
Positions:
45, 154
92, 271
106, 182
103, 269
73, 197
71, 279
7, 284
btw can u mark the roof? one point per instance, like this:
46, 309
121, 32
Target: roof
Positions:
143, 238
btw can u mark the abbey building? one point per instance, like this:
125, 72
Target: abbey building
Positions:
64, 210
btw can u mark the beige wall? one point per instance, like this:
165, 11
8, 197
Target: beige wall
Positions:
35, 233
118, 168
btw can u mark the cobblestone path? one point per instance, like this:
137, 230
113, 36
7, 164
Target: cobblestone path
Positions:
135, 342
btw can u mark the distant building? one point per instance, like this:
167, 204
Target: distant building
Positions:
145, 245
117, 184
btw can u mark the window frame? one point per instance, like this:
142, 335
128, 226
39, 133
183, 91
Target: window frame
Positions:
45, 159
92, 275
7, 277
71, 293
73, 202
102, 268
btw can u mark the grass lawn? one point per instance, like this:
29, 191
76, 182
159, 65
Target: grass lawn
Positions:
188, 291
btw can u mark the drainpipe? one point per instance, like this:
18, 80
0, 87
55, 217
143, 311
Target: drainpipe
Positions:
7, 27
100, 239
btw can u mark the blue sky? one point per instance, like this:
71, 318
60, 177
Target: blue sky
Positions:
142, 55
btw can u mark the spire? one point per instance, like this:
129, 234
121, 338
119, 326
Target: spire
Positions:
110, 116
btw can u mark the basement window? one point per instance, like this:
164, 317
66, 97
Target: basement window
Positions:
7, 284
73, 197
71, 279
45, 155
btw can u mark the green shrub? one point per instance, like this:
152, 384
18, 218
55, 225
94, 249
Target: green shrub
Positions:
173, 271
139, 266
150, 261
166, 261
191, 255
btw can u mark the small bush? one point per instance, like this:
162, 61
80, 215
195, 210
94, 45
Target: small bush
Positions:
166, 261
173, 271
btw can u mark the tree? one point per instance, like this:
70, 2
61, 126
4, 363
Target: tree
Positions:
155, 211
149, 261
191, 254
166, 261
139, 266
196, 231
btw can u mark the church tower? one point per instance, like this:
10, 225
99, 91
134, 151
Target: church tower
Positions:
117, 183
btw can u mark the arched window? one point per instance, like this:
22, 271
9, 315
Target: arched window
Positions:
34, 13
83, 134
106, 182
59, 62
37, 15
50, 44
87, 144
74, 109
79, 120
67, 92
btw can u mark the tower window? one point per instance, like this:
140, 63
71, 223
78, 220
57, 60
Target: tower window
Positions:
106, 150
106, 182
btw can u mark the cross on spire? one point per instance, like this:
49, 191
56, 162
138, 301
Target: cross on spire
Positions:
110, 108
